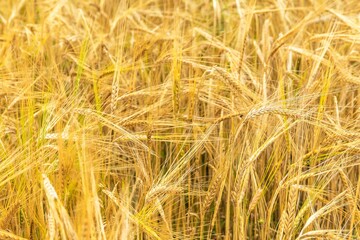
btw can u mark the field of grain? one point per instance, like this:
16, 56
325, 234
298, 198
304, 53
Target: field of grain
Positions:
180, 119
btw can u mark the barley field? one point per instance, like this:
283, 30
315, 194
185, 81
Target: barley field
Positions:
180, 119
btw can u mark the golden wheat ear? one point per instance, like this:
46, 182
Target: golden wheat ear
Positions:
58, 211
8, 235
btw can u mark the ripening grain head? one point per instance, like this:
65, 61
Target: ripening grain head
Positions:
220, 119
